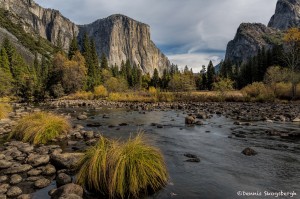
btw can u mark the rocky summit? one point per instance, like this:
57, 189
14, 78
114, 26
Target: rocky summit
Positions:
118, 37
287, 15
47, 23
252, 37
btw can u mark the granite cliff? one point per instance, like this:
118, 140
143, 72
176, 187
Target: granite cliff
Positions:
252, 37
120, 38
47, 23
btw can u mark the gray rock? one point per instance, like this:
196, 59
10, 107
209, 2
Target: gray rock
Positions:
286, 15
89, 134
18, 168
189, 120
66, 190
34, 172
24, 196
34, 178
49, 170
66, 160
15, 179
5, 164
4, 188
37, 160
2, 156
3, 179
82, 117
249, 152
2, 196
47, 23
70, 196
14, 192
63, 179
42, 183
297, 119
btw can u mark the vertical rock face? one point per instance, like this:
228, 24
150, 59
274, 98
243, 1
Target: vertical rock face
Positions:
248, 40
120, 38
252, 37
47, 23
287, 15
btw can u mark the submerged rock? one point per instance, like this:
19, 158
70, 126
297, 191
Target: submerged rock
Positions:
189, 120
63, 179
67, 190
249, 152
42, 183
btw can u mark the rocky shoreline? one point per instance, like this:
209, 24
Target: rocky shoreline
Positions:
25, 168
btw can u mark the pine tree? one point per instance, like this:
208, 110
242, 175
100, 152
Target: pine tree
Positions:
210, 75
104, 62
73, 48
155, 79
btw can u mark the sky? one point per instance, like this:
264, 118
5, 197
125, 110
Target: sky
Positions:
189, 32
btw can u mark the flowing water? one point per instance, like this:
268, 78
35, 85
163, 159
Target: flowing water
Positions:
223, 170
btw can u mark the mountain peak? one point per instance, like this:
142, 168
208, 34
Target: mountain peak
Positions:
287, 15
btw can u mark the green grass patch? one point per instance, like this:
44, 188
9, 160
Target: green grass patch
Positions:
123, 169
40, 128
5, 109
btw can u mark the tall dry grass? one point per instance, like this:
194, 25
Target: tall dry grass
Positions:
5, 109
122, 169
40, 128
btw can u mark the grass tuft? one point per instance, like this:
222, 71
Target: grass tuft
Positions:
122, 169
5, 109
40, 128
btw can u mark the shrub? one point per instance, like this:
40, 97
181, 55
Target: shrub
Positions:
114, 84
122, 169
4, 110
83, 95
39, 128
100, 92
258, 91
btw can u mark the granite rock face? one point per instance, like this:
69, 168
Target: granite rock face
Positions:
120, 38
252, 37
287, 15
47, 23
248, 40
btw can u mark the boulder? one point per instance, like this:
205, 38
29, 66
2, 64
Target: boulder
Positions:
15, 179
82, 117
49, 170
17, 168
37, 160
63, 179
189, 120
42, 183
14, 192
66, 160
5, 164
67, 190
249, 152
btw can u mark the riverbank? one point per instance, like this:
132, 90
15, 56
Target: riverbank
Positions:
224, 131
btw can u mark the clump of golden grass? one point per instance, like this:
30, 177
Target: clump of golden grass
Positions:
40, 128
123, 169
4, 110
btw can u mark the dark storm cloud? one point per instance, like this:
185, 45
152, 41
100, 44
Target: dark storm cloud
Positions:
183, 29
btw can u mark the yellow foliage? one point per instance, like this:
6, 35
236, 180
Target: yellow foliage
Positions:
100, 92
258, 91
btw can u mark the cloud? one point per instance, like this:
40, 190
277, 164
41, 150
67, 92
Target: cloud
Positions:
190, 27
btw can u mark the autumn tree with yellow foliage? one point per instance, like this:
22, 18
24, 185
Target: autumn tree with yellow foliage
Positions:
292, 56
